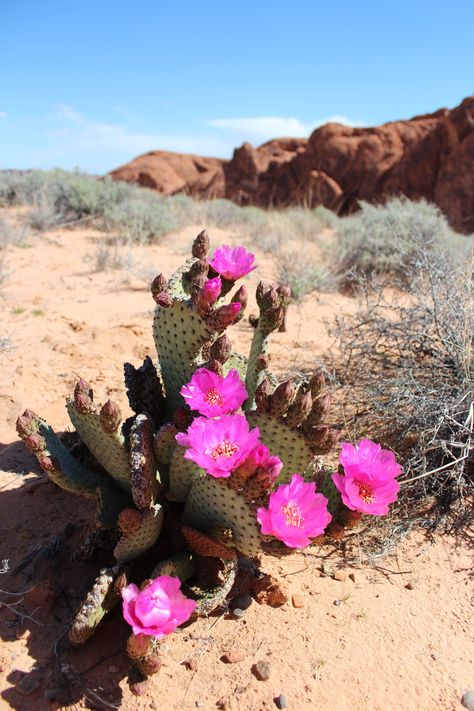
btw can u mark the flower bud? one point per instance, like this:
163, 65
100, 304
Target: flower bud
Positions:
83, 402
224, 316
299, 411
24, 423
158, 285
182, 418
34, 443
253, 320
317, 383
271, 299
284, 291
241, 297
262, 362
48, 464
197, 271
216, 367
200, 246
320, 407
110, 417
221, 348
262, 393
163, 299
138, 646
208, 295
274, 317
262, 289
282, 398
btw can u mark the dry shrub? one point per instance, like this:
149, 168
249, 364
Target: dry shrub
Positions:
405, 372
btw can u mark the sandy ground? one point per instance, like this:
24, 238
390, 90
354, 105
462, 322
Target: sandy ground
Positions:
397, 634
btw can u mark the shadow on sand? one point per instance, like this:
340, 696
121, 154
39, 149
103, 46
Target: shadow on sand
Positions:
40, 528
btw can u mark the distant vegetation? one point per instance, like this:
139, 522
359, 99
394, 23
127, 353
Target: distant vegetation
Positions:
314, 249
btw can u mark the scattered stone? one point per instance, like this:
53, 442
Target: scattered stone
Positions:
337, 602
340, 575
223, 704
113, 669
468, 700
240, 690
199, 704
237, 612
233, 656
352, 576
280, 701
409, 586
297, 600
27, 685
41, 595
191, 664
261, 670
242, 602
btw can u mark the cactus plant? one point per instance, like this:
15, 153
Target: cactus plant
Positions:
144, 479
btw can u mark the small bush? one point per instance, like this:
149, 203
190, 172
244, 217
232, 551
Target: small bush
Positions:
406, 374
303, 277
141, 219
389, 239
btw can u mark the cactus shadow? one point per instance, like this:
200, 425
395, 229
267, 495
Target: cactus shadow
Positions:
41, 588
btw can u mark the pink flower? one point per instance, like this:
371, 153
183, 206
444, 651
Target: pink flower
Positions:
158, 609
209, 293
369, 481
232, 262
212, 395
219, 446
295, 514
260, 459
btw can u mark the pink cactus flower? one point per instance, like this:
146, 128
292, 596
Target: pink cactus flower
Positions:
368, 484
232, 262
158, 609
209, 293
219, 446
295, 514
212, 395
260, 458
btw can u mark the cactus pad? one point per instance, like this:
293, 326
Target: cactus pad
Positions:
102, 598
140, 531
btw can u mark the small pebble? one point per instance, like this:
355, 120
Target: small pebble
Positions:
280, 701
199, 704
468, 700
27, 685
409, 586
113, 669
191, 664
234, 656
326, 568
261, 670
238, 612
297, 600
337, 603
240, 690
352, 576
223, 704
340, 575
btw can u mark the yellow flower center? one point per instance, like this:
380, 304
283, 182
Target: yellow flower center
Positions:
213, 397
226, 448
292, 514
366, 493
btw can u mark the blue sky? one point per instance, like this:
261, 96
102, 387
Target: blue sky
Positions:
93, 84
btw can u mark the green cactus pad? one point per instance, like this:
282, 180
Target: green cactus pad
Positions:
283, 442
255, 374
133, 544
108, 449
182, 474
237, 362
326, 486
102, 598
143, 478
211, 502
110, 502
179, 335
165, 442
181, 565
69, 474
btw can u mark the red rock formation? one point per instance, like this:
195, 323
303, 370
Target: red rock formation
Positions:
430, 156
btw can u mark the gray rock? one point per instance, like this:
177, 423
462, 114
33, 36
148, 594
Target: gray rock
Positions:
468, 700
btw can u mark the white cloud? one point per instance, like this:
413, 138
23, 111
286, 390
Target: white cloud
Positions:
262, 128
3, 114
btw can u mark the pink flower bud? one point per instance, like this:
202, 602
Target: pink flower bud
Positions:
34, 443
201, 245
224, 316
110, 417
208, 294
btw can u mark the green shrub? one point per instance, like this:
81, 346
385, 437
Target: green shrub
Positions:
389, 239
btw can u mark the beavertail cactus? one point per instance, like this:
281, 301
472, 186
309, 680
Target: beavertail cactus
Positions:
218, 459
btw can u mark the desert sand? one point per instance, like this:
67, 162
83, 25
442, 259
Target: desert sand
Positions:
395, 634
